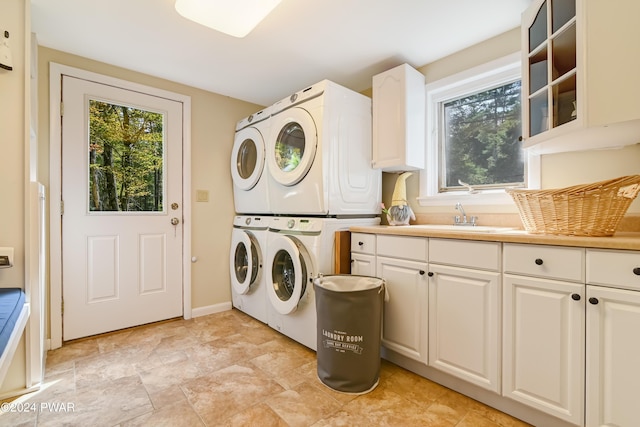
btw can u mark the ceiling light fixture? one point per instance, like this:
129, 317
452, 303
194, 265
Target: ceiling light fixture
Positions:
234, 17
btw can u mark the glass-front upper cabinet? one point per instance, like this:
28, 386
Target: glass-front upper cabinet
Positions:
551, 90
580, 85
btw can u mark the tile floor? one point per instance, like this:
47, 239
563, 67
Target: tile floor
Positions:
225, 369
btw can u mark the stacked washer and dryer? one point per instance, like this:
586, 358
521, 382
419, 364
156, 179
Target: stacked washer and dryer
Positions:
251, 202
318, 179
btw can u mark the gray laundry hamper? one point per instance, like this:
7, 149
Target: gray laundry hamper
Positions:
349, 327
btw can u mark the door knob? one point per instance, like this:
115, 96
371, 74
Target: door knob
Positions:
175, 221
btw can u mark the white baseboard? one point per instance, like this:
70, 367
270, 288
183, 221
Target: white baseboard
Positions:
211, 309
19, 392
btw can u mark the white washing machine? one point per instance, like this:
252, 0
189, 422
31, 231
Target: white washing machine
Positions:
248, 170
298, 249
246, 262
319, 154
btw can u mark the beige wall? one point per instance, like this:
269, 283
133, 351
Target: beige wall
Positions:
12, 142
557, 170
12, 164
212, 128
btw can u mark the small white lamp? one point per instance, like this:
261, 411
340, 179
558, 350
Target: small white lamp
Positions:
234, 17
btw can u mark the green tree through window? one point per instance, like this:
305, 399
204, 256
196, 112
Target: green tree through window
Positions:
481, 138
125, 158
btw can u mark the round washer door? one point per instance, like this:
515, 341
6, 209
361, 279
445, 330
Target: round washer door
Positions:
292, 151
245, 261
247, 158
288, 271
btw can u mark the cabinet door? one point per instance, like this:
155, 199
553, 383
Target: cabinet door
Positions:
363, 265
613, 357
549, 69
544, 345
464, 324
579, 82
405, 314
398, 119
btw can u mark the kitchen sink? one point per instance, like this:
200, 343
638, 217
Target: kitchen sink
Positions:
464, 228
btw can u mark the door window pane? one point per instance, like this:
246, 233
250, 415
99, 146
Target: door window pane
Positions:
126, 159
562, 11
290, 147
241, 263
564, 101
247, 158
538, 114
284, 275
564, 52
538, 71
538, 30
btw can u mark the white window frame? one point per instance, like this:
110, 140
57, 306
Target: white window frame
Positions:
476, 79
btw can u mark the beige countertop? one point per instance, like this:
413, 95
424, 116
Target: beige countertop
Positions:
620, 240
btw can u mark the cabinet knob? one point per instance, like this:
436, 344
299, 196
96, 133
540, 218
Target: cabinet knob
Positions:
430, 274
636, 271
422, 272
575, 297
539, 261
360, 243
593, 300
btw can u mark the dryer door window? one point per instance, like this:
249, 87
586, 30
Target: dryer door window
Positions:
294, 148
247, 158
245, 262
288, 275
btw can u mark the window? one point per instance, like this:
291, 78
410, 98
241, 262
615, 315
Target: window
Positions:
473, 137
479, 139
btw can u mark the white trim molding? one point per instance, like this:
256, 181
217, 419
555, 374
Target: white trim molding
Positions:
477, 78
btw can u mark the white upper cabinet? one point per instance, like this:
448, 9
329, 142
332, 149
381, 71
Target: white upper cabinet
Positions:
398, 120
579, 75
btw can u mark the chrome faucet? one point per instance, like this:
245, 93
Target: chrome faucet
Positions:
463, 220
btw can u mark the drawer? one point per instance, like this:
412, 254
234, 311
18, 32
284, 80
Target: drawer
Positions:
620, 269
465, 253
409, 248
553, 262
363, 243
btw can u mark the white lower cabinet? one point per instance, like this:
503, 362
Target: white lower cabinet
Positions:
613, 338
464, 310
402, 263
363, 254
544, 317
567, 318
363, 264
464, 324
543, 345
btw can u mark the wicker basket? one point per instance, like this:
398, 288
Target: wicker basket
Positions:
582, 210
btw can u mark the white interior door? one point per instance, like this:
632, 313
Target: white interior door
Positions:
122, 218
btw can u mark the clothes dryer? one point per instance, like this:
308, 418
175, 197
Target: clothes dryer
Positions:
250, 193
246, 261
298, 249
319, 154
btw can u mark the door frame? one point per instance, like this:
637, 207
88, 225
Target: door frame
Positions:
56, 71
